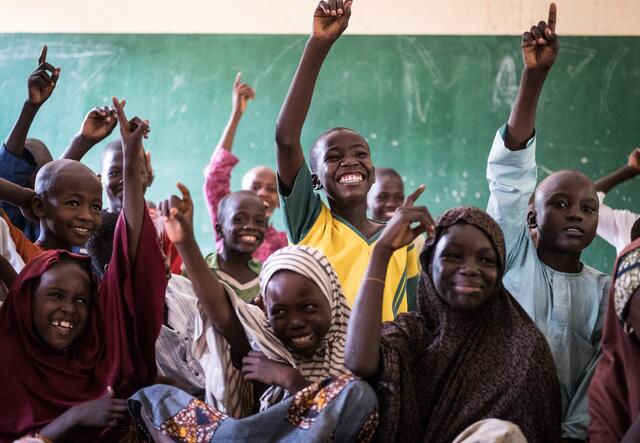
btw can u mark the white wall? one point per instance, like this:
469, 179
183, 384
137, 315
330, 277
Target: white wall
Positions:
575, 17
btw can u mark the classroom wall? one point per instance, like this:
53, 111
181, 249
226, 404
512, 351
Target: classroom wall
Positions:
449, 17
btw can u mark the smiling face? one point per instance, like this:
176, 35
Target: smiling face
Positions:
386, 195
262, 181
566, 212
70, 207
242, 221
342, 166
60, 306
464, 267
112, 174
298, 311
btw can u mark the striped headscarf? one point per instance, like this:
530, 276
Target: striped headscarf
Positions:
328, 360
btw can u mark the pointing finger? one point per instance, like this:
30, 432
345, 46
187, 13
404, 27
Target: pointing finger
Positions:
237, 82
552, 17
408, 203
43, 55
122, 118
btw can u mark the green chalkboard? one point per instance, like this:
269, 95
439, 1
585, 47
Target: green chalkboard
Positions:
429, 105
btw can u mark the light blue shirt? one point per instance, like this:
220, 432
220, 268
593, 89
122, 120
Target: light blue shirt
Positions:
568, 308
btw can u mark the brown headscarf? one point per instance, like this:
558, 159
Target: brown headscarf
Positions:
443, 370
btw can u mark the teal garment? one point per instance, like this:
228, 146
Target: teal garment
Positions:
568, 308
246, 291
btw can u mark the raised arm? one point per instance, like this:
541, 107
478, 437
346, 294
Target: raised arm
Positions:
41, 84
18, 196
330, 20
97, 125
539, 50
178, 226
362, 352
240, 97
133, 155
621, 175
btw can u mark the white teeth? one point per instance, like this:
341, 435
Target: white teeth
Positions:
249, 238
62, 324
351, 178
80, 229
302, 340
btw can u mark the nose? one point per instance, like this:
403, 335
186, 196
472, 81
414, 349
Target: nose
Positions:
349, 161
85, 214
574, 213
67, 306
297, 322
470, 268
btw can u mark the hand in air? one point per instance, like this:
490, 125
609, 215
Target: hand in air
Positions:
259, 368
398, 232
178, 216
242, 93
540, 44
634, 160
43, 80
99, 123
331, 19
102, 412
132, 131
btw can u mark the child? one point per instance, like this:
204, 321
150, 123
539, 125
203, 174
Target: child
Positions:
73, 349
614, 225
261, 179
21, 158
565, 298
241, 224
176, 362
341, 165
614, 390
386, 194
301, 338
469, 352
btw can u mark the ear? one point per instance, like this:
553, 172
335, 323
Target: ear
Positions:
218, 228
37, 206
317, 186
99, 177
532, 221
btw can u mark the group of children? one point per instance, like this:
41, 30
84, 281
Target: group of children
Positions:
366, 320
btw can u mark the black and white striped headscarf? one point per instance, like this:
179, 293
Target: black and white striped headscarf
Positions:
311, 263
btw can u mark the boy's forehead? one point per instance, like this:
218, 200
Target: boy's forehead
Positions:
241, 201
568, 182
75, 179
261, 174
342, 138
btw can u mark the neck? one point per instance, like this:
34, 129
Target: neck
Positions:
354, 213
561, 261
48, 240
232, 259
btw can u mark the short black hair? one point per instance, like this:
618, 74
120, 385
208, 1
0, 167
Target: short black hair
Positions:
224, 203
100, 244
635, 230
388, 172
315, 149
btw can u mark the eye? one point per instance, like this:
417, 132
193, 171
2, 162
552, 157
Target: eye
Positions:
309, 307
72, 203
362, 154
272, 189
589, 209
82, 300
488, 260
255, 187
55, 295
261, 222
559, 204
113, 174
277, 314
96, 207
452, 256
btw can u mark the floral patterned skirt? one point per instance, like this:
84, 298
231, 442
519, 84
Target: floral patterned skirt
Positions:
342, 409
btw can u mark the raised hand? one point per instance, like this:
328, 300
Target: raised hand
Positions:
98, 124
131, 131
634, 160
540, 44
398, 232
178, 216
43, 80
331, 19
242, 93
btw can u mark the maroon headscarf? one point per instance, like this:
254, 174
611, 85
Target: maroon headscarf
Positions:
443, 370
614, 393
116, 347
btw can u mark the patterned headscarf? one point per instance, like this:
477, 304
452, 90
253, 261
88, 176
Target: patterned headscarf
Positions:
311, 263
627, 281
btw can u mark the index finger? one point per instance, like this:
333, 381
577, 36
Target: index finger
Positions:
237, 82
43, 55
552, 17
186, 195
408, 203
122, 118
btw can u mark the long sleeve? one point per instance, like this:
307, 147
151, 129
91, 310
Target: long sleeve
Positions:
512, 179
614, 225
217, 184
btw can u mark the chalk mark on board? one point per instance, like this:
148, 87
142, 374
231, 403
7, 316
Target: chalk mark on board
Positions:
608, 77
587, 55
505, 87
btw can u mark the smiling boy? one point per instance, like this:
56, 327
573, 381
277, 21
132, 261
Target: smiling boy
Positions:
565, 298
341, 166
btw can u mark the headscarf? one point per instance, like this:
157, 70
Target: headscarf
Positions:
614, 393
443, 370
226, 387
116, 347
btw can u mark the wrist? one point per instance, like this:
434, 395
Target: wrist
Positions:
31, 107
383, 251
84, 141
319, 43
